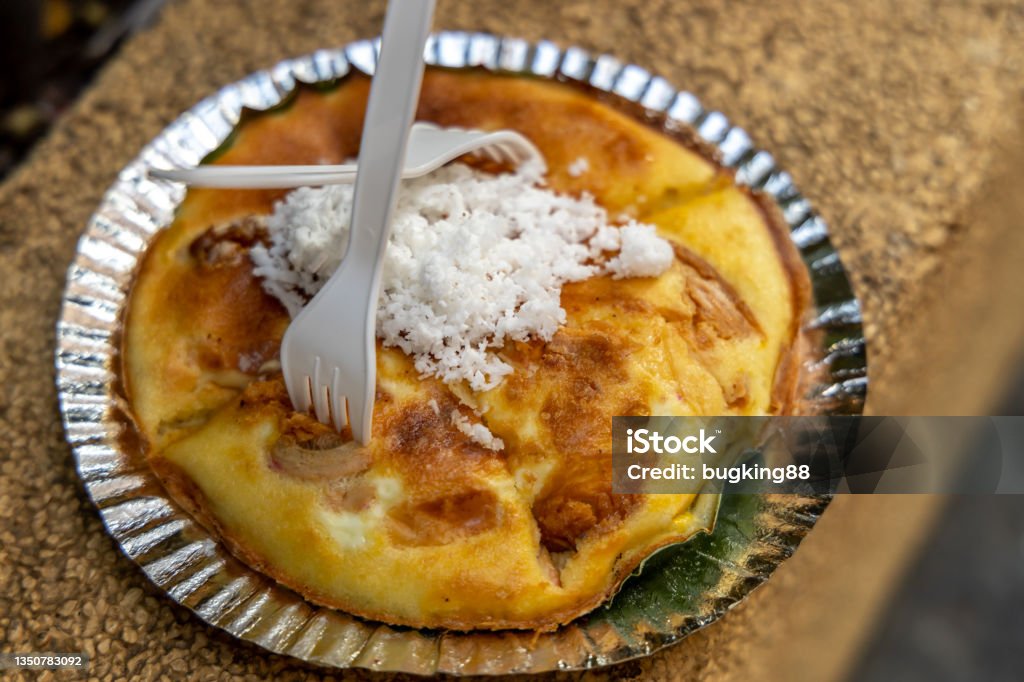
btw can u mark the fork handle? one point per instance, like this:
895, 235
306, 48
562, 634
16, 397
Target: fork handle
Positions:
394, 93
389, 114
260, 177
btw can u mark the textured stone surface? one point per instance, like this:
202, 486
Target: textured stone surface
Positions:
897, 119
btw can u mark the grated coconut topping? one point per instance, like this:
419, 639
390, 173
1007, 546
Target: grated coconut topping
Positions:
479, 433
578, 167
474, 260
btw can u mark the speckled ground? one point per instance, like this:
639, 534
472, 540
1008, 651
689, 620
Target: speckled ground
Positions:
899, 121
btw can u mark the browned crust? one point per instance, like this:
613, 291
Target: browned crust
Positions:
194, 502
656, 120
121, 384
708, 272
792, 358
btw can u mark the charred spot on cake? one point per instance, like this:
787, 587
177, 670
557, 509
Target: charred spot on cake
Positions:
737, 394
635, 406
718, 310
563, 413
422, 438
417, 427
590, 366
577, 496
228, 243
271, 391
565, 516
583, 353
607, 293
444, 519
219, 294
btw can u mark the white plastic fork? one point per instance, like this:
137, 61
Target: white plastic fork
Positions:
430, 147
328, 354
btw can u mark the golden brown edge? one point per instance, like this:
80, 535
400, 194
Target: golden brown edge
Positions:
186, 493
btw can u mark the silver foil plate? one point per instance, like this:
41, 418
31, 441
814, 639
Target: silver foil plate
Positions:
681, 589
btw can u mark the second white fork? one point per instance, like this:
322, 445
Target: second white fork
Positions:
430, 147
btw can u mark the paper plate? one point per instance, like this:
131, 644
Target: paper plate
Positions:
679, 590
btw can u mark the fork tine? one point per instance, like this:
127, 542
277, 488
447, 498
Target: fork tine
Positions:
339, 408
304, 395
321, 398
323, 402
495, 153
509, 153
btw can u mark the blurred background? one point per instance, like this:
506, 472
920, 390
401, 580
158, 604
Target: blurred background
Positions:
959, 613
49, 51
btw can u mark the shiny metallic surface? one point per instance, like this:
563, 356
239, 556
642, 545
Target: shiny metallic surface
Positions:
682, 588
